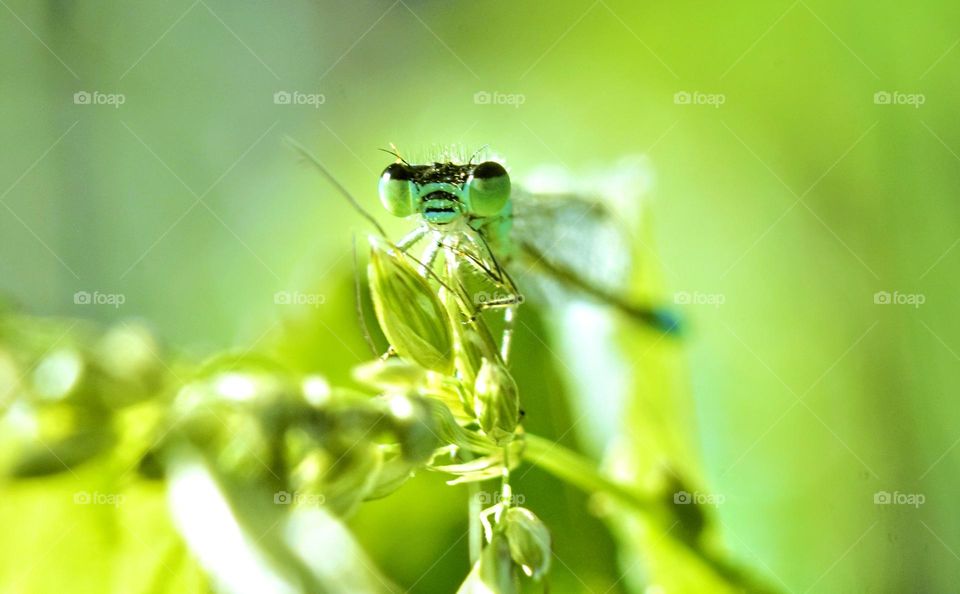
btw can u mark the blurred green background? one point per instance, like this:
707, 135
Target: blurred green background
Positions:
778, 215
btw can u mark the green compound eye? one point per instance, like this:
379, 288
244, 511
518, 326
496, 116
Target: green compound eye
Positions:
488, 189
398, 193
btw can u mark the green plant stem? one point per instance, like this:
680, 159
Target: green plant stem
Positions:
473, 513
476, 530
580, 472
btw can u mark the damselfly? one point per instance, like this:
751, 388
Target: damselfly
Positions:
487, 232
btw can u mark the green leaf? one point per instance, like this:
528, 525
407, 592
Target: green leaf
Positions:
529, 541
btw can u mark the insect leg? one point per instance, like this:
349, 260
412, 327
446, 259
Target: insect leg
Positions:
514, 299
430, 256
509, 302
509, 322
411, 238
510, 305
485, 519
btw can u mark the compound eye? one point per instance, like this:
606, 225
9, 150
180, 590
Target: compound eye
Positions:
397, 190
488, 189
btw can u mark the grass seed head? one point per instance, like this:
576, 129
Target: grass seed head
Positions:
411, 315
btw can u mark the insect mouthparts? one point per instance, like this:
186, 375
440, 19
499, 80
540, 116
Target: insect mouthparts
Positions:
440, 195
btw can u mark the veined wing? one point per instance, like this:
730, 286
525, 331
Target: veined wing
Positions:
574, 244
570, 231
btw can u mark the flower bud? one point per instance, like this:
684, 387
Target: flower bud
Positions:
473, 343
496, 401
493, 572
409, 311
529, 541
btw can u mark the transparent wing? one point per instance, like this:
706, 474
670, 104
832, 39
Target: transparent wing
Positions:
578, 243
570, 232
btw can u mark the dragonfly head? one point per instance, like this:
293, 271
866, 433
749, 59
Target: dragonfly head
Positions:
443, 192
441, 203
